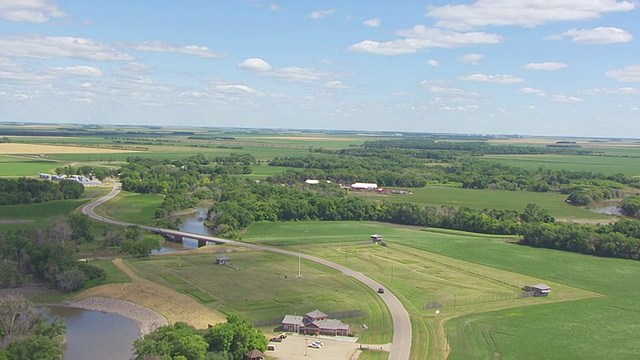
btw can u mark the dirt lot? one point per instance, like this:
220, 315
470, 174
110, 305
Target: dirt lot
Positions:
296, 347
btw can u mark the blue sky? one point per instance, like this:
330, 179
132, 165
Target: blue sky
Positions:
529, 67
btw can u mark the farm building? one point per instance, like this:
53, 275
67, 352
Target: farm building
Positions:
538, 290
376, 238
223, 260
364, 186
315, 323
255, 355
312, 181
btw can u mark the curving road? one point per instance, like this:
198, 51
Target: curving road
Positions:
401, 344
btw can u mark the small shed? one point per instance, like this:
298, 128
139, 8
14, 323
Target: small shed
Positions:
538, 290
255, 354
376, 238
223, 260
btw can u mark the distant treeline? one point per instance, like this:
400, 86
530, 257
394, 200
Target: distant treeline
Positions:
474, 147
28, 191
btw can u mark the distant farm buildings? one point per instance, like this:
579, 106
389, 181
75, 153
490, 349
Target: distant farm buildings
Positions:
315, 323
223, 260
86, 181
364, 186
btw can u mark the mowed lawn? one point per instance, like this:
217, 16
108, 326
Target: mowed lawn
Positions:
131, 207
256, 288
489, 199
421, 279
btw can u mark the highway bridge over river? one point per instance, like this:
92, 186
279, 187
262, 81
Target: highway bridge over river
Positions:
401, 343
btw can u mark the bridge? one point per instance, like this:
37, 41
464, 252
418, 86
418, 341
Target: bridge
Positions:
177, 237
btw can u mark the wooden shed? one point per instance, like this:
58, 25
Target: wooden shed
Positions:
255, 355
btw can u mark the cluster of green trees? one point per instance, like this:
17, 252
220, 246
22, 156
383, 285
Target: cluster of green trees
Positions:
26, 333
99, 172
630, 206
133, 241
184, 182
225, 341
29, 191
47, 254
621, 239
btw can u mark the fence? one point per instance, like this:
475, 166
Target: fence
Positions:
462, 301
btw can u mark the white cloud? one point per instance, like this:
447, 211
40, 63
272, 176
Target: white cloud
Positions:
629, 73
335, 84
433, 62
236, 88
33, 11
619, 91
255, 64
275, 7
440, 87
598, 36
375, 22
473, 59
319, 14
161, 46
290, 73
496, 79
566, 99
421, 38
528, 13
136, 68
532, 91
548, 66
48, 47
83, 71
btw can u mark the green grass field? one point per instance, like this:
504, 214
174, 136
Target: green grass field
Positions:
37, 214
490, 199
258, 290
416, 276
131, 207
25, 166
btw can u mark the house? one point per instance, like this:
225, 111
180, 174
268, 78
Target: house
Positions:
315, 323
364, 186
223, 260
538, 290
376, 238
255, 355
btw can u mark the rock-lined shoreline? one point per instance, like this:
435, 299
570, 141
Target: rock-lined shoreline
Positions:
146, 319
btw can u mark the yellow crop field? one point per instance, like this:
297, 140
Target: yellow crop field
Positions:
13, 149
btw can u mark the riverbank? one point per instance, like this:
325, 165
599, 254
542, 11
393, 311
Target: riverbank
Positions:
146, 319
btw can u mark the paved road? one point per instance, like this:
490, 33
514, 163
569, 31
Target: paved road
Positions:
401, 345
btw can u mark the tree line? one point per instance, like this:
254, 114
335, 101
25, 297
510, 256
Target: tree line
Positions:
225, 341
29, 191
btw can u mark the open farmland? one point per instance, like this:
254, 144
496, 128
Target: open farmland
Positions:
417, 277
607, 165
255, 286
17, 148
131, 207
12, 165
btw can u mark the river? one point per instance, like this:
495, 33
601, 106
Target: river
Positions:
96, 335
192, 222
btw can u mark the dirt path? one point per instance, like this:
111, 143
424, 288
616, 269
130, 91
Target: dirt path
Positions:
171, 304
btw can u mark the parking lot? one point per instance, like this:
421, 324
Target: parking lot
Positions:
297, 347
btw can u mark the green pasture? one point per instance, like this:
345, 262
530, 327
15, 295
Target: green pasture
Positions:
131, 207
489, 199
255, 287
416, 276
607, 165
11, 165
373, 355
35, 214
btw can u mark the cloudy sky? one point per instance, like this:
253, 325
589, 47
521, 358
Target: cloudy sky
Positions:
531, 67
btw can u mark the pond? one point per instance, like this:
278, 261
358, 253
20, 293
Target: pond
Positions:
96, 335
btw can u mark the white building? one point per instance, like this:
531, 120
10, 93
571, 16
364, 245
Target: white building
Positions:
364, 186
